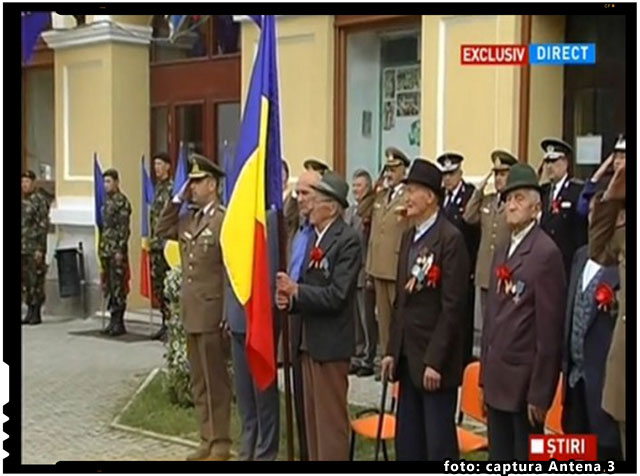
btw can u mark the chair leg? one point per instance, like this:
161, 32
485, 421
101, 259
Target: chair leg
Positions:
352, 448
384, 450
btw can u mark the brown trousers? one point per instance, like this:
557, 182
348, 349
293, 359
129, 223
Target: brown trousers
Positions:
385, 295
211, 386
325, 407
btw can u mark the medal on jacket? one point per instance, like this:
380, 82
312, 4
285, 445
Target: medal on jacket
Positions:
419, 271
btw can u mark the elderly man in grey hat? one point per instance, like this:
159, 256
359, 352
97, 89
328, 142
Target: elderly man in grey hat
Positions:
324, 299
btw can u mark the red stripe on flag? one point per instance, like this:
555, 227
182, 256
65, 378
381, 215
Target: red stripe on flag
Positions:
260, 333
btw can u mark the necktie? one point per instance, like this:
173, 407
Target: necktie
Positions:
390, 196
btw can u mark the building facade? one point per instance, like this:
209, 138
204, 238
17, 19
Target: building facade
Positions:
350, 85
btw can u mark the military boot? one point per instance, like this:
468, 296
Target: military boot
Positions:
28, 316
36, 318
112, 320
118, 328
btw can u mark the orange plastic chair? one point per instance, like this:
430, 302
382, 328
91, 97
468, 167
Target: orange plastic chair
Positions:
471, 404
367, 421
553, 421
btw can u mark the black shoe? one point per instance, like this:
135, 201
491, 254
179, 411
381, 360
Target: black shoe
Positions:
118, 328
112, 321
365, 372
378, 377
353, 368
28, 316
161, 334
36, 317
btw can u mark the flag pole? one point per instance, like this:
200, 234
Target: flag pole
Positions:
286, 341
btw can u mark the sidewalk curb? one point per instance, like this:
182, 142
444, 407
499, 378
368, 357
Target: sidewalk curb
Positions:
115, 424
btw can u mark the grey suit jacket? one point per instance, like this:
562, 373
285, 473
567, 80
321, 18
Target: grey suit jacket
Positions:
236, 316
326, 298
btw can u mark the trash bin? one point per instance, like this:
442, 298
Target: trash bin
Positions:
68, 272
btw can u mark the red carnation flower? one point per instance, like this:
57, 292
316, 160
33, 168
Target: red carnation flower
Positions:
503, 273
316, 255
604, 296
433, 276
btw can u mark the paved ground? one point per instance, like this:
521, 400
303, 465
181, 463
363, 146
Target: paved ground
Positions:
73, 388
74, 385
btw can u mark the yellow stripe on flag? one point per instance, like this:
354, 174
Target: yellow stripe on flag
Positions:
246, 205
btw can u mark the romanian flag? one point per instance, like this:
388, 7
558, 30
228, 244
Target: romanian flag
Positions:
146, 286
99, 197
255, 183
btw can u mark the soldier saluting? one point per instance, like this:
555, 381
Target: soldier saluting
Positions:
201, 302
159, 266
560, 217
35, 222
113, 249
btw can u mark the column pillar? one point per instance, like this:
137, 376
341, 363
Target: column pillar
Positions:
101, 93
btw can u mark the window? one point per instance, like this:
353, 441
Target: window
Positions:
189, 121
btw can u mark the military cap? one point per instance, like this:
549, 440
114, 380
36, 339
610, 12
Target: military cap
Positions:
313, 163
334, 186
502, 160
426, 173
621, 144
554, 149
201, 167
450, 161
521, 176
395, 157
113, 173
29, 174
162, 156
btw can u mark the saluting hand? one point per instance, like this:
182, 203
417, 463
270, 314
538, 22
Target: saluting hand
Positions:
485, 181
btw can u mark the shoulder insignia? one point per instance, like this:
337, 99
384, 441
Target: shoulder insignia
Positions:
222, 208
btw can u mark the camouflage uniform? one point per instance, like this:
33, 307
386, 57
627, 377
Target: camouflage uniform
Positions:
116, 213
159, 266
35, 223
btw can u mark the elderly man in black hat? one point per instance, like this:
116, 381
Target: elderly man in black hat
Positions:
457, 194
324, 299
487, 210
201, 302
522, 333
560, 217
425, 345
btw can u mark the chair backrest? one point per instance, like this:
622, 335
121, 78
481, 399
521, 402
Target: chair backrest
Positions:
553, 420
471, 401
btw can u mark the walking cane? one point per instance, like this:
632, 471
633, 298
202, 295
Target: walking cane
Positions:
385, 383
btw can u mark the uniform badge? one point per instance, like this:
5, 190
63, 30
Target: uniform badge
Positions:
565, 204
187, 235
486, 210
207, 232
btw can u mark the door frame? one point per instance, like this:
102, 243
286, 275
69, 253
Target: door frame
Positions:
343, 26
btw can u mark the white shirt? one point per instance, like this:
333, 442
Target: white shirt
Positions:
208, 206
323, 232
558, 186
424, 227
454, 192
517, 238
589, 272
396, 190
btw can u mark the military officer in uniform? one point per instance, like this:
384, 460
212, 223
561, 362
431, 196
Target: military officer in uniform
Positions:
201, 301
113, 250
315, 164
387, 225
35, 223
159, 266
487, 210
457, 195
560, 217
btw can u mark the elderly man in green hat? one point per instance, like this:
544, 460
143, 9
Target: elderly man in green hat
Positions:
522, 333
324, 300
201, 301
